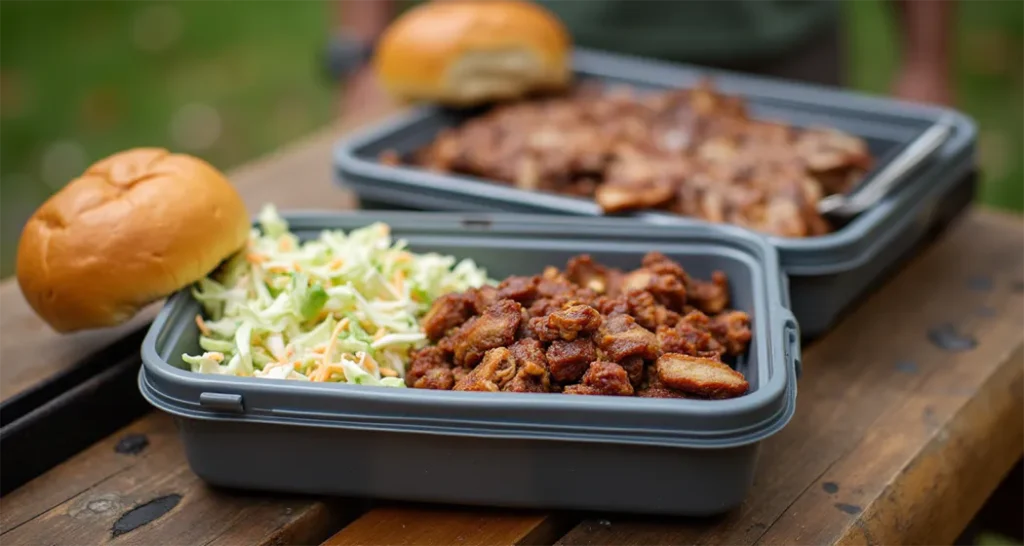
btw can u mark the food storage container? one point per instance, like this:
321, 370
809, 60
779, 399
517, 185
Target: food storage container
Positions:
828, 274
669, 456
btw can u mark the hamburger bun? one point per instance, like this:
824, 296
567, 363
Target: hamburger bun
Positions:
464, 53
134, 228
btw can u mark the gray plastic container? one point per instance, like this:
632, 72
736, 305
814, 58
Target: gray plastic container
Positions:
681, 457
828, 274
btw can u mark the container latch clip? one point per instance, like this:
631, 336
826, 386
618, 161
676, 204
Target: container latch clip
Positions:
218, 401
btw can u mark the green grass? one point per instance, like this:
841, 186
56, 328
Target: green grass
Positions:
72, 74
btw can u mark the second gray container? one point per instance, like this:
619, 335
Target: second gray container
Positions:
680, 457
828, 274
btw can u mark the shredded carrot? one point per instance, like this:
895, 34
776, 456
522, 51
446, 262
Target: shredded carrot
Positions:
256, 258
334, 340
325, 372
202, 325
315, 372
272, 365
284, 244
388, 372
365, 359
216, 357
398, 279
336, 263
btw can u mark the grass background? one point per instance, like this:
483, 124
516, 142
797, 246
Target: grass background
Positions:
232, 80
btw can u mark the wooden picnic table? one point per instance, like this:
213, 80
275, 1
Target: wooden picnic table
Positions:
899, 436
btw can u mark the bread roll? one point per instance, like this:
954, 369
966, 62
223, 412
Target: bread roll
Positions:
134, 228
463, 53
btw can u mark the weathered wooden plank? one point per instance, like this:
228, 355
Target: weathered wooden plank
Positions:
95, 498
68, 480
30, 352
399, 526
57, 419
886, 417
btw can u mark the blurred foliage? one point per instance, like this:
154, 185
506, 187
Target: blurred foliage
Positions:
989, 78
995, 539
232, 80
227, 81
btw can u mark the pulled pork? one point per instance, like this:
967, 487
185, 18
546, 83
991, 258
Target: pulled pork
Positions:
590, 330
695, 152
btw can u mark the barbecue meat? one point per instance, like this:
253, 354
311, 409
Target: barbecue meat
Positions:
607, 378
621, 337
568, 323
497, 369
448, 311
568, 360
430, 369
695, 152
495, 328
691, 336
652, 332
710, 297
700, 376
732, 330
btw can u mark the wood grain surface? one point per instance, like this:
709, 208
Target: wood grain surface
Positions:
109, 496
909, 414
401, 526
895, 440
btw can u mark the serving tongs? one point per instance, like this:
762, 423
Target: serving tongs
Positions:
884, 181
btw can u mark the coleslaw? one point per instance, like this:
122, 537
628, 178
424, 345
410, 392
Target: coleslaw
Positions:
339, 308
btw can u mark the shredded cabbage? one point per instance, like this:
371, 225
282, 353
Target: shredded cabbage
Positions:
341, 308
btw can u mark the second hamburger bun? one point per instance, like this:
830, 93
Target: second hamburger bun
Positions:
466, 52
134, 228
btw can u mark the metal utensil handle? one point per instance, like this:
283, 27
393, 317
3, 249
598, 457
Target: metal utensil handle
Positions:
885, 180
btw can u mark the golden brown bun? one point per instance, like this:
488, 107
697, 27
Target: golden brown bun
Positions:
134, 228
468, 52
